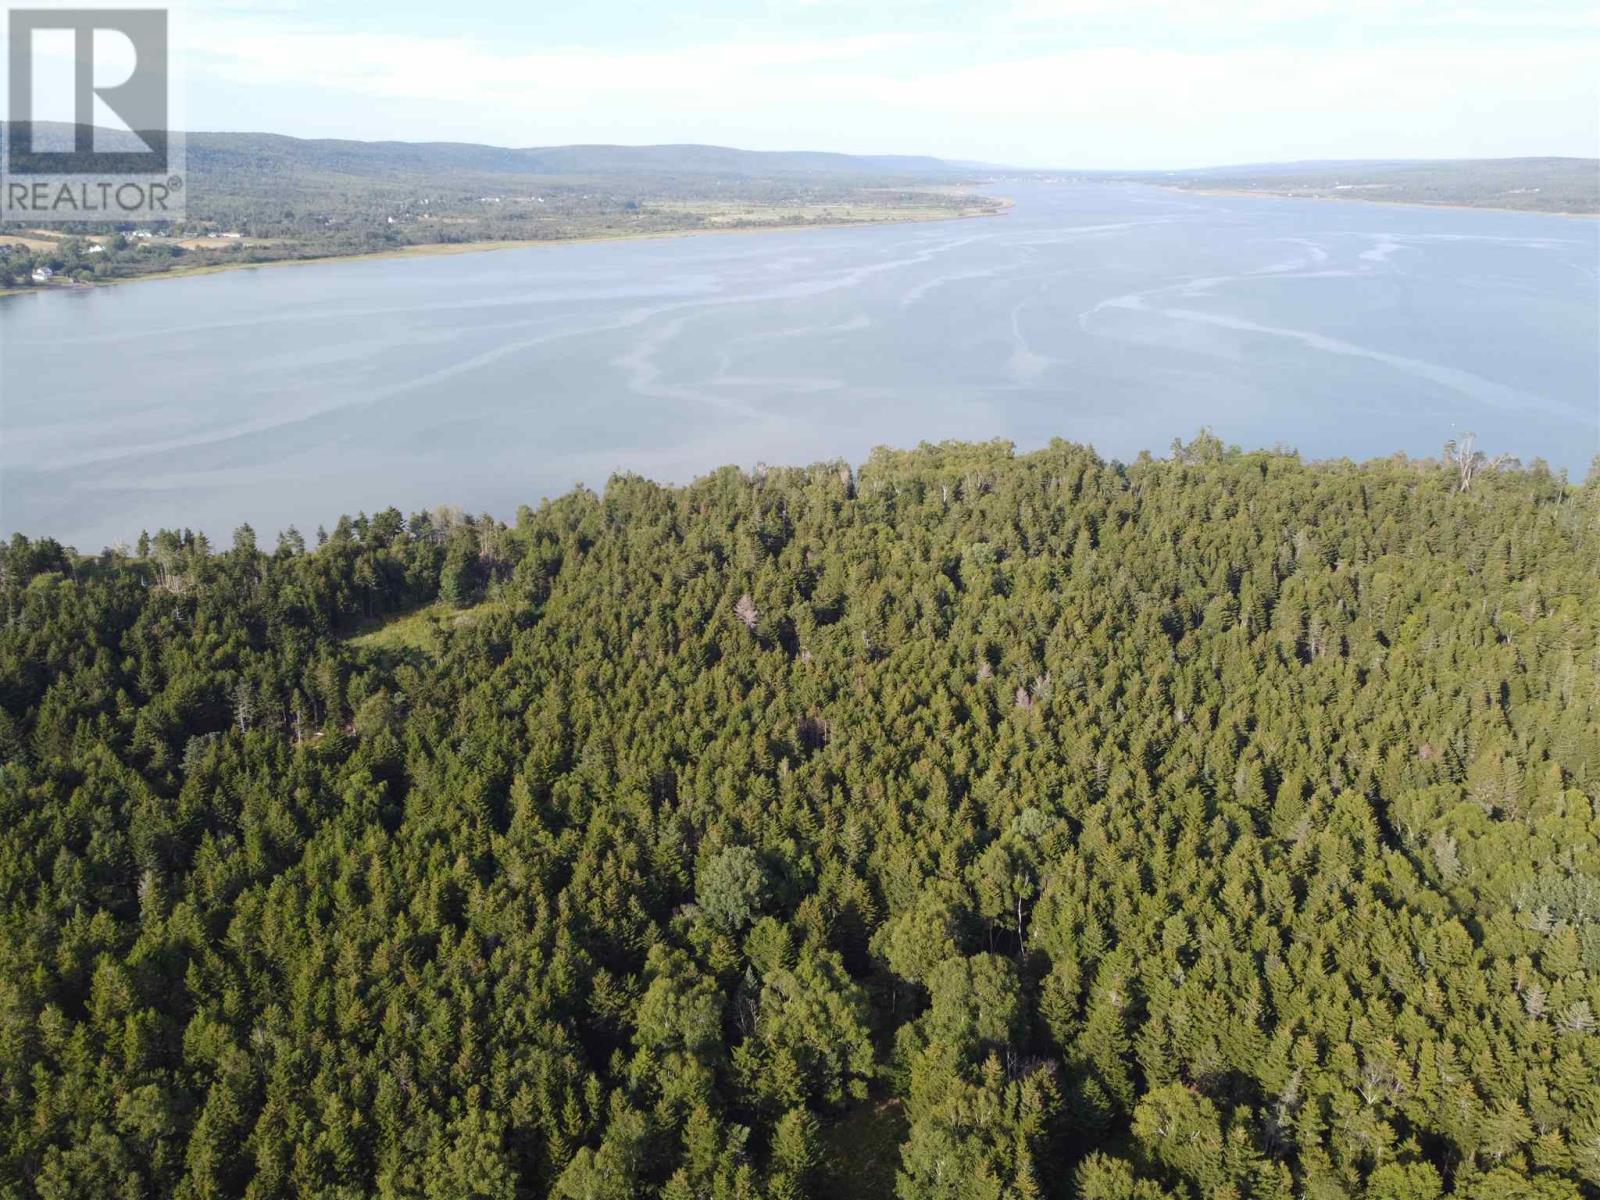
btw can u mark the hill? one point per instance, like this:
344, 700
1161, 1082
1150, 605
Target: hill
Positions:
219, 152
1562, 185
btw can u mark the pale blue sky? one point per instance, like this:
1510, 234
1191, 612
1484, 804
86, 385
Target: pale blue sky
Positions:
1091, 83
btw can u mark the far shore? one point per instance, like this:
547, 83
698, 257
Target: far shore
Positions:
1263, 194
432, 249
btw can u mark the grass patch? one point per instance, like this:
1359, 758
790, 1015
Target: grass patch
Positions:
28, 243
862, 1151
418, 632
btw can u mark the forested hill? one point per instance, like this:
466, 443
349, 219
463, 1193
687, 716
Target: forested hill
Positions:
219, 152
1551, 185
217, 157
967, 826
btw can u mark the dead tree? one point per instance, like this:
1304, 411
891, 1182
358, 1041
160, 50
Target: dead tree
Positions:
1467, 462
745, 610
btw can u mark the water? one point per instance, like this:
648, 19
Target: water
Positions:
1115, 315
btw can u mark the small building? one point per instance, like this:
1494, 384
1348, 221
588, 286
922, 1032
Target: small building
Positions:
95, 248
43, 274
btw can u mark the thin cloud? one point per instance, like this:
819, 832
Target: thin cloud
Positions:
1114, 99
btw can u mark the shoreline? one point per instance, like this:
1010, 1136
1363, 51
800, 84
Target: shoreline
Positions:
1264, 195
439, 249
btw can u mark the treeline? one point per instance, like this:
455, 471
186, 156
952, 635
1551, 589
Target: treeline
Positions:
113, 257
1218, 826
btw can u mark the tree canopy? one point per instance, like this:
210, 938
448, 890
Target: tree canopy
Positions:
1218, 826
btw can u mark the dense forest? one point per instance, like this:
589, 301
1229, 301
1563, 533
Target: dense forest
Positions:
969, 825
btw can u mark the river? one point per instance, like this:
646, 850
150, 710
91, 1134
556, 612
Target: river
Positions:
1121, 316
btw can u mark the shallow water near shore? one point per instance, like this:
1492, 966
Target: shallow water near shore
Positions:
1115, 315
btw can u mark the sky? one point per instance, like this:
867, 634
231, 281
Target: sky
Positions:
1118, 84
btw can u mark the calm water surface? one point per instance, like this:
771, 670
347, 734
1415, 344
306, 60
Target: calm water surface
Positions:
1119, 316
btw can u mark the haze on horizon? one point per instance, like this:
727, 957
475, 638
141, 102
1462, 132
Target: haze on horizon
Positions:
1121, 84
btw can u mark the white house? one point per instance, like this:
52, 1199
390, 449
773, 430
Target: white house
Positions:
42, 274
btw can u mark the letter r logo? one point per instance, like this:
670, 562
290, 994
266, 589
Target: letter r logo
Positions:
139, 101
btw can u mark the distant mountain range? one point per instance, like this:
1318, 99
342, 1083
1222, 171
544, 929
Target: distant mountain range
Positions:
224, 152
562, 161
1544, 183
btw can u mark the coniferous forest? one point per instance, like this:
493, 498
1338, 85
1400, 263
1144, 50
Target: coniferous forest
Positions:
968, 825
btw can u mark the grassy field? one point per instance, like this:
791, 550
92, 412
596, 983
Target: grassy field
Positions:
31, 243
419, 633
872, 207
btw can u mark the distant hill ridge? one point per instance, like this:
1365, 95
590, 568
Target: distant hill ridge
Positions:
1532, 184
222, 160
1300, 166
221, 151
